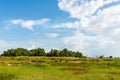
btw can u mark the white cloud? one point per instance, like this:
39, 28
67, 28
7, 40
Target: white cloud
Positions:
67, 25
109, 1
29, 24
98, 33
77, 41
82, 8
16, 21
52, 35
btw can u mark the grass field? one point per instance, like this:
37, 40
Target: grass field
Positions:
59, 68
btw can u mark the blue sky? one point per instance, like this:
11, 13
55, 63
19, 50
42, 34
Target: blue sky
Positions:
29, 9
61, 24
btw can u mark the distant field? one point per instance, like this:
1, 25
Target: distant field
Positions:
59, 68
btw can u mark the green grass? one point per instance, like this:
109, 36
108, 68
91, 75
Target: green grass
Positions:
58, 68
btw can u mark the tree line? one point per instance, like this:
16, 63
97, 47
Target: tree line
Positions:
41, 52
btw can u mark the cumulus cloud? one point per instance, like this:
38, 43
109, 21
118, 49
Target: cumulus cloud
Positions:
67, 25
82, 8
52, 35
29, 24
97, 29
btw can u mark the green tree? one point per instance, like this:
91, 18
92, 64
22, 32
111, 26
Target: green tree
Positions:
56, 52
37, 52
9, 52
102, 56
33, 52
40, 52
53, 52
65, 51
110, 56
21, 52
78, 54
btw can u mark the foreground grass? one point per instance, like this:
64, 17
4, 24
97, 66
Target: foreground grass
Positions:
58, 68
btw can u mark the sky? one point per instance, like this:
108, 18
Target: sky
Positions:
89, 26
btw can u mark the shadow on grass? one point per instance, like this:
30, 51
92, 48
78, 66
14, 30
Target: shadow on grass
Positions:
76, 71
5, 76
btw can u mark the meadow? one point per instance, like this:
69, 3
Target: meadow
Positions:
59, 68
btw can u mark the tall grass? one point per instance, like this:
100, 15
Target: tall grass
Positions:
59, 68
